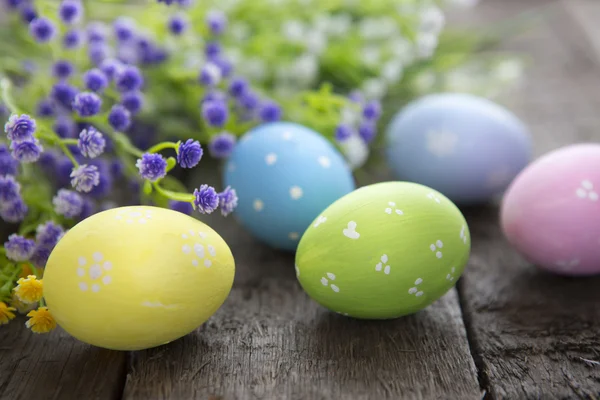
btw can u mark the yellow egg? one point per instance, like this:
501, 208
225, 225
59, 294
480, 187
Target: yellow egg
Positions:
137, 277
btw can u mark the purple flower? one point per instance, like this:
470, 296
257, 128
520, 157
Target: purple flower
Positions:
85, 177
96, 32
216, 22
62, 69
70, 11
181, 206
89, 208
87, 104
13, 212
270, 112
10, 189
64, 127
372, 110
40, 256
18, 248
42, 30
343, 132
8, 165
20, 128
106, 181
214, 95
177, 24
133, 101
91, 143
206, 199
119, 118
210, 75
238, 87
124, 28
48, 160
215, 113
224, 65
367, 131
67, 203
221, 145
110, 66
48, 234
28, 13
26, 152
189, 153
116, 168
72, 39
98, 52
13, 4
152, 166
95, 80
129, 78
63, 94
212, 50
249, 101
356, 97
45, 108
228, 201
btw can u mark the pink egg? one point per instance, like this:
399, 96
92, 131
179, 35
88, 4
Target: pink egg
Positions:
551, 211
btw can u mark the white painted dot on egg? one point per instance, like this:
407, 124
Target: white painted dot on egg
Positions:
80, 272
82, 261
331, 276
97, 256
106, 280
186, 248
324, 161
432, 247
83, 286
95, 271
95, 288
293, 235
296, 192
324, 281
192, 233
202, 234
587, 184
212, 250
195, 262
287, 135
258, 205
184, 236
271, 158
142, 220
439, 244
418, 281
129, 221
107, 266
207, 263
199, 250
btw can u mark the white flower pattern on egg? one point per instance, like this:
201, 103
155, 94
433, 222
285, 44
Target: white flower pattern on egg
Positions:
200, 252
330, 277
392, 208
94, 272
415, 290
134, 216
586, 191
436, 248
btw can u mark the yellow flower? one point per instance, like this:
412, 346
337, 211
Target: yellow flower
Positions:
6, 313
29, 290
21, 307
40, 320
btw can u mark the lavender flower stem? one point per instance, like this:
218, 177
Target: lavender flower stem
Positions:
5, 86
164, 145
177, 196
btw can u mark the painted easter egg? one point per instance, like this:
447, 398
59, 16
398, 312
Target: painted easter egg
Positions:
551, 212
132, 278
284, 175
466, 147
384, 251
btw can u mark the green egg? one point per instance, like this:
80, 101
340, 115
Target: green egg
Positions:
384, 251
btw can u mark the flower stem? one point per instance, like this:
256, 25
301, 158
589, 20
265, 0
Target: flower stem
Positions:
5, 86
177, 196
161, 146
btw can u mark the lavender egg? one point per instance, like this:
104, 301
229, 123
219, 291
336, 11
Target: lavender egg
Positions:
467, 147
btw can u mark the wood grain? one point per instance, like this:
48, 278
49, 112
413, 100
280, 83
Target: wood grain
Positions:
56, 366
535, 335
271, 341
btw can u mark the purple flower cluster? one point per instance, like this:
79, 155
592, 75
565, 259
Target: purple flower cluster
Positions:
207, 200
24, 146
362, 124
152, 166
12, 207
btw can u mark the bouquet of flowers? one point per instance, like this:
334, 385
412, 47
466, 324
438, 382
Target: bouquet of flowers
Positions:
103, 94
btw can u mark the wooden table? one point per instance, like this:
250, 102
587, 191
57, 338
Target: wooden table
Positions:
509, 331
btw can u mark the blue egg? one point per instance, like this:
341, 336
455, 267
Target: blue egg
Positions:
285, 175
464, 146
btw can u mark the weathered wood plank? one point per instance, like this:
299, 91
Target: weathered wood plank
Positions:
534, 335
271, 341
56, 366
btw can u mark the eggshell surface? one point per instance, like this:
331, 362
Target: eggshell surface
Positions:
551, 212
137, 277
464, 146
284, 175
384, 251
